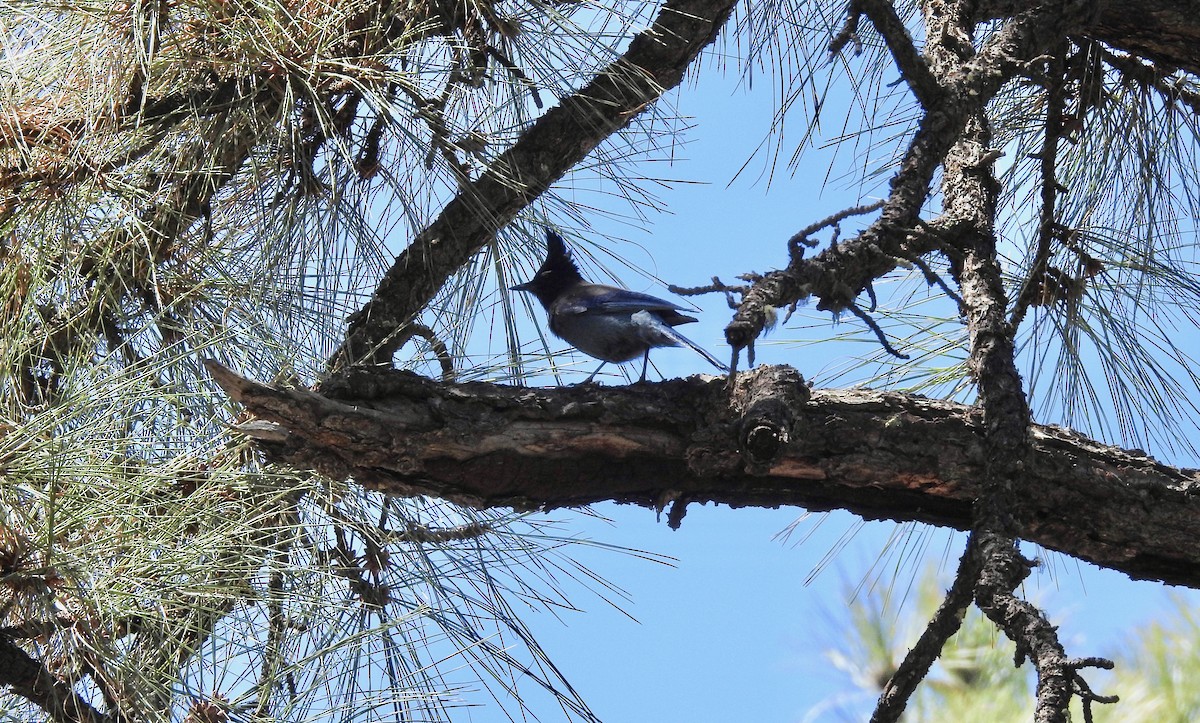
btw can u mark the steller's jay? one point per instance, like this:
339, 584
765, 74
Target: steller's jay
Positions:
609, 323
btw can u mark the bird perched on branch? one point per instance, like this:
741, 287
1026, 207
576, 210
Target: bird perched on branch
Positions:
609, 323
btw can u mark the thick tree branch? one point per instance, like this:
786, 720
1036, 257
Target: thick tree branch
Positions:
28, 678
654, 63
880, 455
971, 195
1166, 32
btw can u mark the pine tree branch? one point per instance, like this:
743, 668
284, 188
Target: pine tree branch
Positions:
880, 455
1033, 286
925, 87
1166, 32
941, 627
971, 194
838, 275
28, 678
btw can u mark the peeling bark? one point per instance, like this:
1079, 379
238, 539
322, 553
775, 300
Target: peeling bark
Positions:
880, 455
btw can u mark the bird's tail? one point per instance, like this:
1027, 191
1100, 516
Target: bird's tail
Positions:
700, 350
671, 336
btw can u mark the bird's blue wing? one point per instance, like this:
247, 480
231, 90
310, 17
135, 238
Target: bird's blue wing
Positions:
610, 300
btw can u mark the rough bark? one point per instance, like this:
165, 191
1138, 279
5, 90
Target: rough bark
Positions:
1166, 32
28, 678
880, 455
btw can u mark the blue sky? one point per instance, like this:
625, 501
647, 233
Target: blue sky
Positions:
733, 632
736, 630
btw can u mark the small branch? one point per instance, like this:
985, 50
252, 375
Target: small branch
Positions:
31, 680
1084, 691
677, 513
1003, 569
848, 31
803, 235
944, 624
439, 350
717, 286
915, 70
866, 319
1032, 287
427, 535
516, 72
934, 279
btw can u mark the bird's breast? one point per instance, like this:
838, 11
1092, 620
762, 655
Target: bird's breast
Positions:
610, 337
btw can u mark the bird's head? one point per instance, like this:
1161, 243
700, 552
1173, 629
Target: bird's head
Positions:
557, 274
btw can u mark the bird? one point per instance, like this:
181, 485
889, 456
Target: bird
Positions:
606, 322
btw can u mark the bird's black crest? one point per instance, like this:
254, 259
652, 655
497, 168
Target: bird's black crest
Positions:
558, 258
557, 273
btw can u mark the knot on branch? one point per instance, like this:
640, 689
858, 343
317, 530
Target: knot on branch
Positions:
755, 312
769, 401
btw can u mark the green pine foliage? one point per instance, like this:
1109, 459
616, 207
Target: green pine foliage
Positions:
222, 179
1157, 665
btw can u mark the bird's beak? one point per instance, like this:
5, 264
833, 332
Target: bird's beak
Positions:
521, 287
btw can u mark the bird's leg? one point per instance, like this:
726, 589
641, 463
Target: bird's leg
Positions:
589, 379
645, 362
